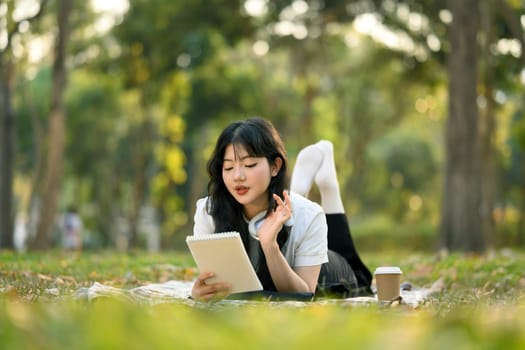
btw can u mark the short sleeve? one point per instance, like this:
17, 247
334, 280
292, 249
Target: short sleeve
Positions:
202, 221
313, 248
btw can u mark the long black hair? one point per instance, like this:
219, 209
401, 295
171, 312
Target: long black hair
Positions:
259, 138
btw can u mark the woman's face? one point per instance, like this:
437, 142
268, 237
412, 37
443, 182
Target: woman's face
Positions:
247, 178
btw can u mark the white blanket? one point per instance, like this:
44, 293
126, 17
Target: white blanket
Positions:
178, 291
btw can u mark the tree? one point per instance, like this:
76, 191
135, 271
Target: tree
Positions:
8, 122
460, 223
55, 158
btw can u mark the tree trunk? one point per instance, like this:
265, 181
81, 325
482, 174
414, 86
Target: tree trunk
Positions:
7, 155
460, 225
142, 155
8, 131
487, 126
36, 177
54, 164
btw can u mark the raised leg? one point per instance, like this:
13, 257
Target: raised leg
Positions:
327, 182
306, 167
315, 163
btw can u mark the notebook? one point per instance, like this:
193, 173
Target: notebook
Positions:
224, 254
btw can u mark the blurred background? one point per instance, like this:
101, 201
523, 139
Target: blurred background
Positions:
110, 109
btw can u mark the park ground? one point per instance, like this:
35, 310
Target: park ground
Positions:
481, 306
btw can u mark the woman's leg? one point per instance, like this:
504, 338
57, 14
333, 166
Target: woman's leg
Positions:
316, 163
325, 176
337, 279
306, 167
326, 180
340, 241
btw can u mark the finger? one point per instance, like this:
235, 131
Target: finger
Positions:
287, 199
214, 291
222, 290
204, 276
278, 200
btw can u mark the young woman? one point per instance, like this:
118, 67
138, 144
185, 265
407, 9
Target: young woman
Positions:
288, 237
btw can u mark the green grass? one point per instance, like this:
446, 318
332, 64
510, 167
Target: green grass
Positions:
481, 307
29, 275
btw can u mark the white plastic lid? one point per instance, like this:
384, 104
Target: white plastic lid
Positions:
382, 270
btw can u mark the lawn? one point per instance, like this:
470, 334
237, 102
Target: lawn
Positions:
481, 307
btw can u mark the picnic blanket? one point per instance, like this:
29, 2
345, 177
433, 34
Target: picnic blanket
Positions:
178, 291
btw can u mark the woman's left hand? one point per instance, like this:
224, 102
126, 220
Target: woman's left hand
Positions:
275, 220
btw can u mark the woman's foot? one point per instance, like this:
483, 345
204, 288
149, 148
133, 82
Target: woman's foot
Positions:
326, 180
306, 167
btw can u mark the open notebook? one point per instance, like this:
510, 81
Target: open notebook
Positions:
224, 254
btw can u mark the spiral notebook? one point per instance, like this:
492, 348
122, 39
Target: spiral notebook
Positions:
224, 254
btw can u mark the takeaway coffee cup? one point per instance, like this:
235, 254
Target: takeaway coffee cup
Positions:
388, 280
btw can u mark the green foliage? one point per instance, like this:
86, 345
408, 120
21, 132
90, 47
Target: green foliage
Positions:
519, 132
411, 158
381, 232
156, 34
405, 165
32, 104
170, 157
94, 121
223, 90
513, 163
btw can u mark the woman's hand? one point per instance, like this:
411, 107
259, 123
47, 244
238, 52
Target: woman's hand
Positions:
285, 278
203, 291
275, 220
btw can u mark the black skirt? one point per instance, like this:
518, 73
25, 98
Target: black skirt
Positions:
344, 275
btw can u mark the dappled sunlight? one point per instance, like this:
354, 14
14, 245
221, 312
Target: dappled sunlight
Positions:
415, 202
396, 179
26, 8
371, 24
445, 16
110, 13
260, 47
509, 47
285, 28
184, 60
429, 107
256, 8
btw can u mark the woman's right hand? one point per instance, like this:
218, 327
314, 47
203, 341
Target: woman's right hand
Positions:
275, 220
203, 291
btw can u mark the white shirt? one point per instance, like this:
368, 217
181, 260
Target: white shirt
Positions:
307, 243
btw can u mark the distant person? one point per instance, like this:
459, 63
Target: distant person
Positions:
294, 244
72, 239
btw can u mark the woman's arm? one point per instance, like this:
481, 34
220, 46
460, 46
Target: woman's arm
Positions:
310, 274
286, 279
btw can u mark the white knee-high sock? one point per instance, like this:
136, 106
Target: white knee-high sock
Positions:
327, 182
306, 166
